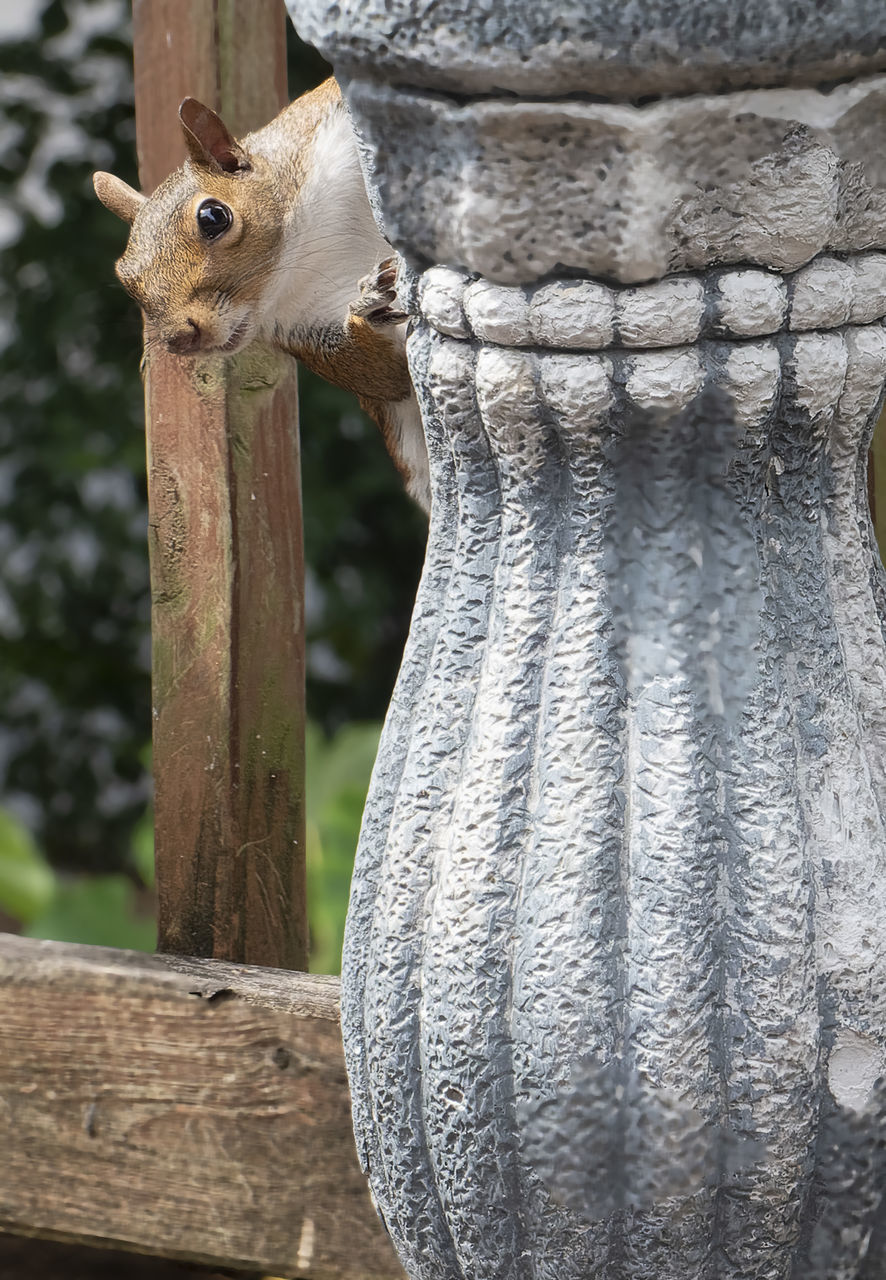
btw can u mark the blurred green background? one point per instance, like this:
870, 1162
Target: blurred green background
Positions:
76, 859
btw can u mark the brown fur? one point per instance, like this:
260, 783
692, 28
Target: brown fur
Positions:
358, 357
205, 295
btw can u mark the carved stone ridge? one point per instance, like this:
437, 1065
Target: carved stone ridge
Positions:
610, 48
519, 190
585, 315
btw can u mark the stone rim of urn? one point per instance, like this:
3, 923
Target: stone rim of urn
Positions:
614, 984
603, 49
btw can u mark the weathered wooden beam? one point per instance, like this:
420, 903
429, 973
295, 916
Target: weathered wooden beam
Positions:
225, 543
188, 1108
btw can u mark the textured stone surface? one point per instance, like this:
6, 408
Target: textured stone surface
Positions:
624, 840
515, 190
586, 316
614, 993
611, 48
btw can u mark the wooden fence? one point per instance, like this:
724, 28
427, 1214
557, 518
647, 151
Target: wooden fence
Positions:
197, 1108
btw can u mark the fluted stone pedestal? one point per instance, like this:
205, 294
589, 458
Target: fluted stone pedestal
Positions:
615, 972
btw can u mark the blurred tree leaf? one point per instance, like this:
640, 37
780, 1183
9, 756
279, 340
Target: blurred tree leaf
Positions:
74, 676
101, 910
338, 771
27, 882
143, 848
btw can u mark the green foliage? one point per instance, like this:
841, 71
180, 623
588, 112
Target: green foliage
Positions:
338, 771
27, 883
364, 546
143, 848
102, 910
74, 680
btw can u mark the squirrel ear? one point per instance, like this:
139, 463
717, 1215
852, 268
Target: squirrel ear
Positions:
208, 139
118, 196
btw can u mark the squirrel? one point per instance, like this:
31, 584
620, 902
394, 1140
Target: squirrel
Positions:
273, 237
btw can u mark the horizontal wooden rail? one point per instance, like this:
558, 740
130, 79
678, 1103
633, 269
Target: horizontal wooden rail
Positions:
190, 1108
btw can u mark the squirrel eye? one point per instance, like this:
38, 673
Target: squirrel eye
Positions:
213, 218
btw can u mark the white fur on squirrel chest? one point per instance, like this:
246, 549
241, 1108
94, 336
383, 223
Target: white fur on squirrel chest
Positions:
331, 239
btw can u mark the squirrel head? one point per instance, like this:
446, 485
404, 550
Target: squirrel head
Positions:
204, 247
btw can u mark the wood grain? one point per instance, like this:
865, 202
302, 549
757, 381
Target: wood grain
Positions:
230, 54
174, 1106
225, 544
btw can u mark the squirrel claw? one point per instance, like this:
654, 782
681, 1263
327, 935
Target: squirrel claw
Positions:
388, 317
378, 295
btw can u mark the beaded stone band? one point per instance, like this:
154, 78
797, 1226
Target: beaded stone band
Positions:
583, 315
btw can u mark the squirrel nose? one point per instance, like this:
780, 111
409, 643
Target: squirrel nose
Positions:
186, 340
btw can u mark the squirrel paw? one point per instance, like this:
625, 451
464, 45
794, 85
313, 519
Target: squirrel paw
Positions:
378, 295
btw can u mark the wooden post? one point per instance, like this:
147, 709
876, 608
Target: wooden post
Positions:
225, 543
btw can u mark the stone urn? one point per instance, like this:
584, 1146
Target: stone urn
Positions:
614, 982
